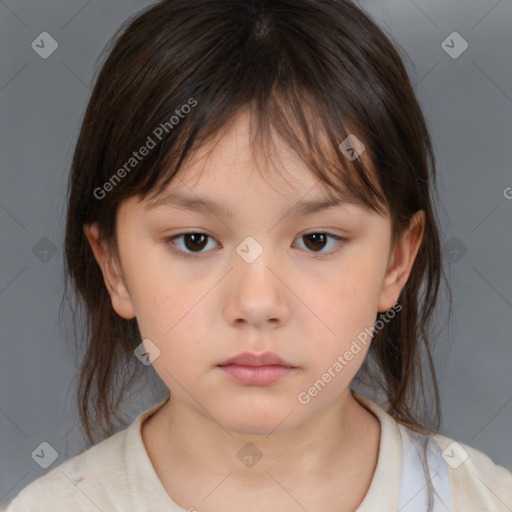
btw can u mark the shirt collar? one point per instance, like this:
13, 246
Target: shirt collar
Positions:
384, 487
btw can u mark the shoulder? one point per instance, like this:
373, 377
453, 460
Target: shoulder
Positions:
463, 476
85, 482
476, 482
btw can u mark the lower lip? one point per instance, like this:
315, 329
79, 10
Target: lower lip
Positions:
256, 375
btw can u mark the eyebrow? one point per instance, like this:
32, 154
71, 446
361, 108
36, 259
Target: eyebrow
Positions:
205, 204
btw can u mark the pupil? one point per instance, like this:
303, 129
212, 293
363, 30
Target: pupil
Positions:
198, 241
317, 238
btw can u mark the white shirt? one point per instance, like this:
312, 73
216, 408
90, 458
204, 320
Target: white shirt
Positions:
117, 475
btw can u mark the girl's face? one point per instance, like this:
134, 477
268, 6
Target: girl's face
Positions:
253, 282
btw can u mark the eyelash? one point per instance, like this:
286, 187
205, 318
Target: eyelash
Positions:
313, 254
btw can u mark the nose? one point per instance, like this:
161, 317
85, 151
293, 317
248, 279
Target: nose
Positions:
257, 294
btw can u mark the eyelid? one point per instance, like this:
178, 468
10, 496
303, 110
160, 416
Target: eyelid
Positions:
185, 254
340, 239
316, 255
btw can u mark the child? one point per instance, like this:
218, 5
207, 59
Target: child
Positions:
250, 212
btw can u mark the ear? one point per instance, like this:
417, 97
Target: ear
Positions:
401, 261
111, 270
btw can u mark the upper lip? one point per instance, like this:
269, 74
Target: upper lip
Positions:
250, 359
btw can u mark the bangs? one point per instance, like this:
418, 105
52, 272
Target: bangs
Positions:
288, 116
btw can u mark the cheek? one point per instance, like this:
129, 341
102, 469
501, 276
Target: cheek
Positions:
159, 292
173, 323
169, 316
347, 306
173, 313
352, 296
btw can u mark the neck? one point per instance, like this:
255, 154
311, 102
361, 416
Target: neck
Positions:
334, 439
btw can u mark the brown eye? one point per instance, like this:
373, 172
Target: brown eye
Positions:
315, 241
195, 241
190, 243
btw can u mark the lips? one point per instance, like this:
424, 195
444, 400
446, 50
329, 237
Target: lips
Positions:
256, 370
249, 359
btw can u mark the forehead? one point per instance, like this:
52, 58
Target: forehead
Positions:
233, 160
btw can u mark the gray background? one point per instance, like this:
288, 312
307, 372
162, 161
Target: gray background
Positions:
468, 105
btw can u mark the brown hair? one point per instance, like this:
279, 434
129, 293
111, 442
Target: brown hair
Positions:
312, 70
